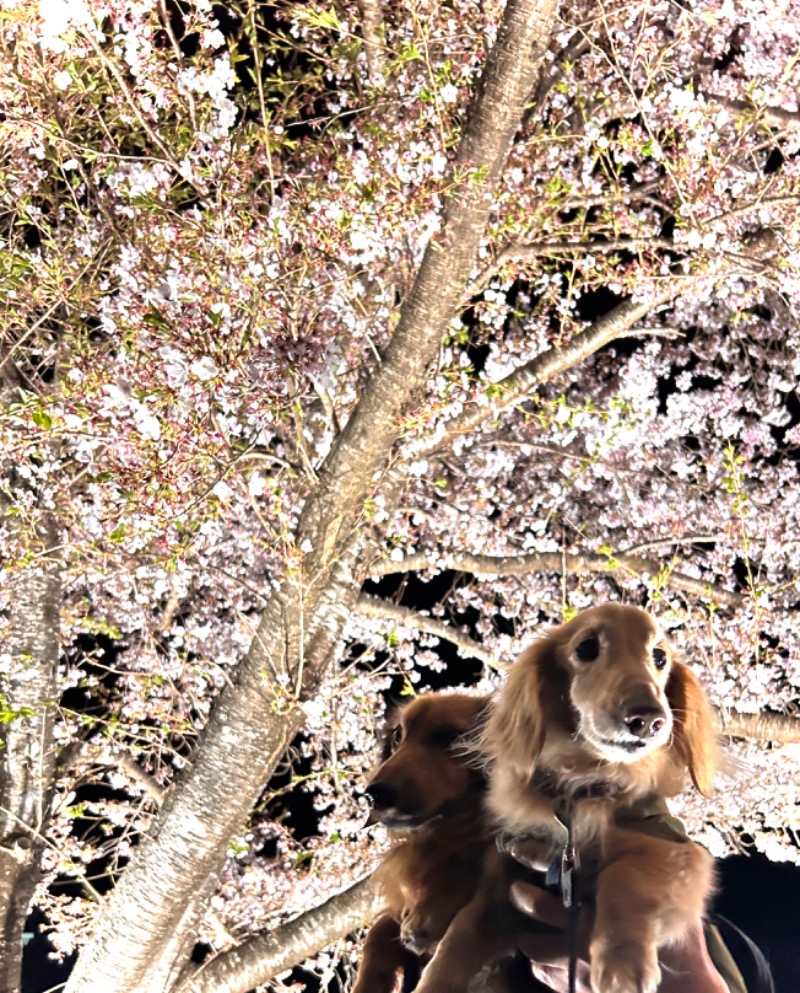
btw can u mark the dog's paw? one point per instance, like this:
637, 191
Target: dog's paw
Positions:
624, 968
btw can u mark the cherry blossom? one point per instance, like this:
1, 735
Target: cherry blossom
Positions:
214, 225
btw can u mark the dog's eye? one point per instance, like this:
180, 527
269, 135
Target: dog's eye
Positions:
659, 658
589, 649
444, 737
395, 737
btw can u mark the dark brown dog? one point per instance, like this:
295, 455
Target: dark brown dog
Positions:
428, 795
595, 718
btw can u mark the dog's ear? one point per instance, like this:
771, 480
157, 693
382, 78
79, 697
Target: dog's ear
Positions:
517, 724
695, 735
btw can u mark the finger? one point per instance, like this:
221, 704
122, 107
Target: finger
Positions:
531, 853
556, 977
553, 977
538, 903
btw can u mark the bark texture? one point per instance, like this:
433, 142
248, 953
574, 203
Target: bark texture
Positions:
149, 920
27, 760
371, 24
136, 945
266, 956
783, 728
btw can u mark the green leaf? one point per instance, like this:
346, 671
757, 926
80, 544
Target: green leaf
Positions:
118, 534
327, 20
409, 54
42, 419
9, 714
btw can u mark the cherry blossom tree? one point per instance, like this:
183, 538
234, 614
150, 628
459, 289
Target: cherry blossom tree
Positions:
345, 346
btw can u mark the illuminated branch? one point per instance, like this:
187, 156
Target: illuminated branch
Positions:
374, 607
764, 726
265, 956
545, 249
519, 384
520, 565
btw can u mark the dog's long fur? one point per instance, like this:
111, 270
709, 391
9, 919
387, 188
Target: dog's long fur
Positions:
594, 717
431, 798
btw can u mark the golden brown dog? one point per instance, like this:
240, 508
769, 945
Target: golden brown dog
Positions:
431, 798
596, 717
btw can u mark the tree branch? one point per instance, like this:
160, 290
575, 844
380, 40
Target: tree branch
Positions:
774, 116
265, 956
361, 450
551, 363
763, 726
520, 565
375, 607
539, 249
102, 755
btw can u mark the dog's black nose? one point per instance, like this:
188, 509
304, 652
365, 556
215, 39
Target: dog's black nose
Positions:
417, 940
382, 795
644, 720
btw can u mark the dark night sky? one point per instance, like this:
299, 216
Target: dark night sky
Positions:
763, 898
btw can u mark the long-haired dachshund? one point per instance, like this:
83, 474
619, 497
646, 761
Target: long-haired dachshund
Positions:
431, 798
595, 717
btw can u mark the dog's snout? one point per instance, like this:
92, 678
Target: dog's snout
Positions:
416, 940
644, 720
383, 796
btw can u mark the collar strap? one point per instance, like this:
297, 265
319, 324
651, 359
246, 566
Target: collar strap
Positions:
597, 790
554, 788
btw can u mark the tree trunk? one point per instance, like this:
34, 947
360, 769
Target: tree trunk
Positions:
27, 762
152, 913
133, 946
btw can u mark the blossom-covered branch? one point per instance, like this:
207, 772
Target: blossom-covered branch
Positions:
520, 565
371, 606
518, 384
263, 957
553, 249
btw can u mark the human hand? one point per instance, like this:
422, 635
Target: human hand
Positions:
548, 951
686, 967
